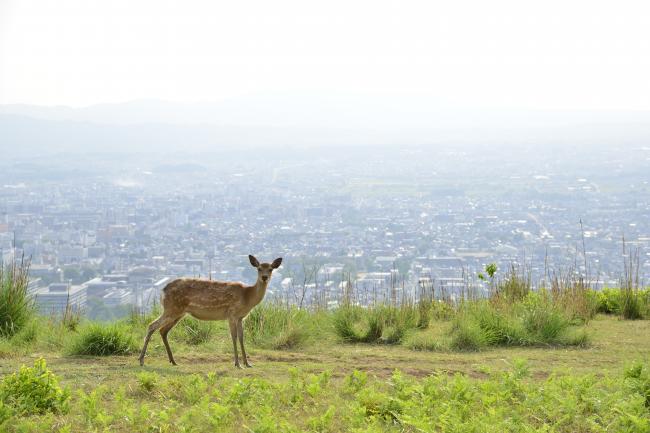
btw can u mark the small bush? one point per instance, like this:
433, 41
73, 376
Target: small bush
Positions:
629, 303
16, 307
33, 391
98, 339
608, 301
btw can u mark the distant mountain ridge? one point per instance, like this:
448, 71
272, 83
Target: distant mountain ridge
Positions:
145, 126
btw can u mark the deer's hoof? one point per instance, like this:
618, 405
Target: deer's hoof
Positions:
238, 366
249, 365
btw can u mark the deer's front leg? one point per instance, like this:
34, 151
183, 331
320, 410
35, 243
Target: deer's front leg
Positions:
233, 334
240, 334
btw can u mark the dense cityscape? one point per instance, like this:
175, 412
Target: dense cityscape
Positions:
106, 234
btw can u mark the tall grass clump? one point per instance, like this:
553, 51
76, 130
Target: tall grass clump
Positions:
515, 286
97, 339
387, 324
631, 306
481, 324
280, 327
16, 307
196, 331
533, 321
543, 321
571, 293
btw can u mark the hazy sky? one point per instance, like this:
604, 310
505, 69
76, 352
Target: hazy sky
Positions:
543, 54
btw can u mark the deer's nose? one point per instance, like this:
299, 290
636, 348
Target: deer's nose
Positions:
265, 277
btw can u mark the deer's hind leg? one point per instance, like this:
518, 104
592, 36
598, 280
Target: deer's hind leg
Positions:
164, 330
153, 326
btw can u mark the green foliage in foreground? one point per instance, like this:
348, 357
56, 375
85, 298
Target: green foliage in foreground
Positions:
318, 402
32, 391
97, 339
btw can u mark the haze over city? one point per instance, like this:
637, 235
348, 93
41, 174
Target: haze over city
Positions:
374, 142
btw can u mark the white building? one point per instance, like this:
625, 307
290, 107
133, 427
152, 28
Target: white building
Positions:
55, 297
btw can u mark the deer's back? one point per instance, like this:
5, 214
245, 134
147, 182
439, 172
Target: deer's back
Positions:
206, 300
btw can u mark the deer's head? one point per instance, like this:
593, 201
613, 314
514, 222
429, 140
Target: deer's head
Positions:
264, 270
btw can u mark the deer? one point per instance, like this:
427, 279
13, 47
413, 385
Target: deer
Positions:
211, 300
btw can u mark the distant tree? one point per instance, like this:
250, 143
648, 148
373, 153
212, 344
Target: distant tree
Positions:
72, 274
88, 274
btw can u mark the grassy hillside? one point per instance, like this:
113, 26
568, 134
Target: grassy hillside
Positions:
569, 360
328, 385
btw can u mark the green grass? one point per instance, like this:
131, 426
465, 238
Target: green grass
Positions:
364, 388
463, 371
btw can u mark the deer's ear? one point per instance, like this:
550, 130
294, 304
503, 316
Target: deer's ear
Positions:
253, 261
276, 263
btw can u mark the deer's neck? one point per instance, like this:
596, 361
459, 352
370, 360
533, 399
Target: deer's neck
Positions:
260, 290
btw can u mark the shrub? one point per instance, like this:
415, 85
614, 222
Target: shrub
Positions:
16, 307
608, 301
98, 339
32, 391
629, 303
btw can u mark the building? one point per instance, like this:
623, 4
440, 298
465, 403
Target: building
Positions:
55, 297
